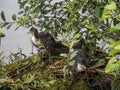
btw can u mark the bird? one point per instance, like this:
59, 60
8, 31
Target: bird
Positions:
35, 36
47, 40
81, 60
55, 48
43, 39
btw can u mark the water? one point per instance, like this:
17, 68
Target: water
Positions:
13, 40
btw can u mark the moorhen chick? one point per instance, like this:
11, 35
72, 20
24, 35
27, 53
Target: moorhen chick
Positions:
46, 39
56, 47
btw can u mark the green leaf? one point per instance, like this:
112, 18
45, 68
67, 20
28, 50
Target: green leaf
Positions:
63, 55
113, 52
27, 8
1, 53
97, 61
106, 14
14, 17
75, 36
65, 44
2, 34
68, 25
115, 48
91, 27
9, 26
37, 9
72, 62
5, 24
52, 81
35, 59
112, 29
115, 44
115, 28
112, 60
22, 4
73, 54
112, 65
28, 78
111, 6
3, 16
97, 11
83, 10
17, 27
20, 12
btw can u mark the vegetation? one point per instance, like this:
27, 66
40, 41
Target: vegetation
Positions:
97, 21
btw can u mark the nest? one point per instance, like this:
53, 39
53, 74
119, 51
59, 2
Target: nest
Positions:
52, 74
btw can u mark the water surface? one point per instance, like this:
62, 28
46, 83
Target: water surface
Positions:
13, 40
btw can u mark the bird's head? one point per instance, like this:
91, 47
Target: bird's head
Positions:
33, 31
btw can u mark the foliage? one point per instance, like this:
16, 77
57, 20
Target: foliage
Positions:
2, 34
97, 21
115, 84
3, 16
2, 71
24, 74
113, 65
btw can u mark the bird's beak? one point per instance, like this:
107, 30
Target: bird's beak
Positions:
29, 32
